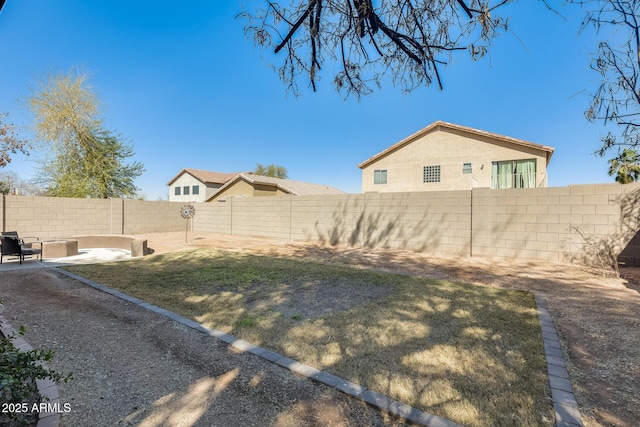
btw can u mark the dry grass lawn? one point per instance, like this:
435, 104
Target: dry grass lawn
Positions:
471, 354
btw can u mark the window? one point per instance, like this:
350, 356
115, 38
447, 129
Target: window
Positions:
431, 174
195, 189
185, 190
466, 168
513, 174
177, 191
380, 176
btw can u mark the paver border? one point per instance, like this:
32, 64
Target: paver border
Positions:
47, 388
565, 406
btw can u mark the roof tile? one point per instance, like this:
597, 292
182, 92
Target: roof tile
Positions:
446, 125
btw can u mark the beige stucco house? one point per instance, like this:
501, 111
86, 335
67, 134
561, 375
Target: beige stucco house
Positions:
251, 185
446, 156
194, 185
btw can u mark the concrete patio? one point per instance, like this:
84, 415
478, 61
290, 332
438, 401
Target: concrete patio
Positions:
85, 256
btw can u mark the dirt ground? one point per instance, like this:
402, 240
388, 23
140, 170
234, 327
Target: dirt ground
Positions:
597, 315
134, 367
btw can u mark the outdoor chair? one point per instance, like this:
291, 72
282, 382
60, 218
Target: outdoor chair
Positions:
10, 246
15, 234
21, 240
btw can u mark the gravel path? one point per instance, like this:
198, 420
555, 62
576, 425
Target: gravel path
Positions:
135, 367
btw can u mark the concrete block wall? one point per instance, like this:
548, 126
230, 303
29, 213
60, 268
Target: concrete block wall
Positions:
52, 217
521, 223
436, 222
55, 217
575, 223
430, 222
214, 217
143, 216
261, 216
328, 220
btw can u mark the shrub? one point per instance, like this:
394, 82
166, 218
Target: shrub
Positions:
19, 371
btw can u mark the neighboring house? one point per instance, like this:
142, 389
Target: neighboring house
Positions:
445, 156
193, 185
250, 185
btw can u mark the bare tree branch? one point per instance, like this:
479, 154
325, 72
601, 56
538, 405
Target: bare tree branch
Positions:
617, 60
406, 40
294, 28
466, 8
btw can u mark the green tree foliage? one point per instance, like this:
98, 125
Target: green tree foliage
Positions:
271, 170
10, 143
5, 188
97, 169
66, 110
407, 41
87, 159
626, 167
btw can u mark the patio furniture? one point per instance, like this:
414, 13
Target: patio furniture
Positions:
10, 246
21, 240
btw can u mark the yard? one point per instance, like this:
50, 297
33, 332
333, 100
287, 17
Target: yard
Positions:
472, 354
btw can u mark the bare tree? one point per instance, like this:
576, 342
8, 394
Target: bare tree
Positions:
404, 40
12, 183
617, 60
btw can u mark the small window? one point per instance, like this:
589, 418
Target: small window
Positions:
177, 191
185, 190
195, 189
380, 176
431, 174
466, 168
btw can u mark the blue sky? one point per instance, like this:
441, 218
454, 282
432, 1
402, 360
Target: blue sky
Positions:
187, 89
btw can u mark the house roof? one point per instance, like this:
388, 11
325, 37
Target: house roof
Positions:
206, 177
296, 188
440, 125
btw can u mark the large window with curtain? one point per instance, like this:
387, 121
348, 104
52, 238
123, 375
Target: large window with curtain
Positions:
513, 174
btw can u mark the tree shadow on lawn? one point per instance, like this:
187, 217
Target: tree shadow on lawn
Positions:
597, 315
446, 351
470, 354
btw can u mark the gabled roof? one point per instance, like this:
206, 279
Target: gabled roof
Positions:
296, 188
206, 177
445, 125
